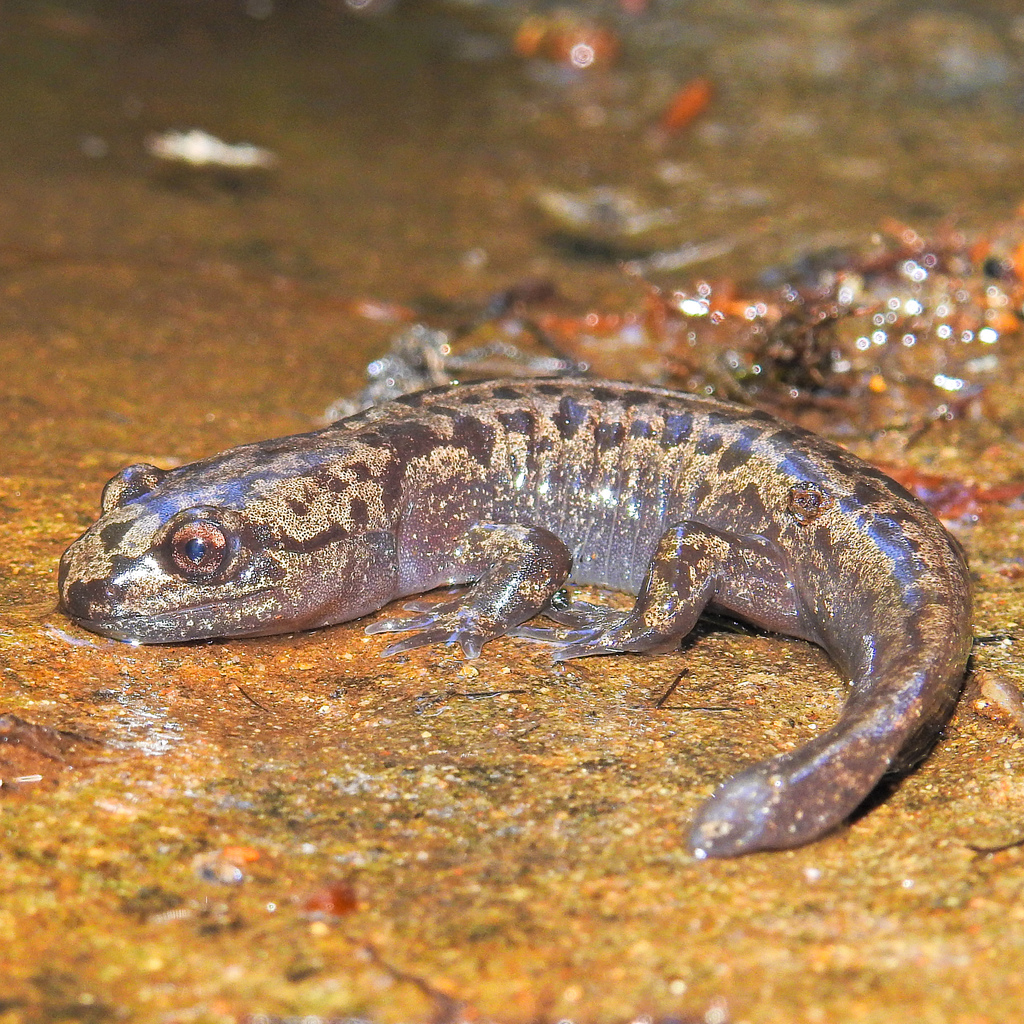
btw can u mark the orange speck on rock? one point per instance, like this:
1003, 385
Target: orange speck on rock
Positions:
240, 854
687, 104
1017, 259
332, 899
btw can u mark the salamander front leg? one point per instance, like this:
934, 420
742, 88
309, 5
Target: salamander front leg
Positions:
516, 570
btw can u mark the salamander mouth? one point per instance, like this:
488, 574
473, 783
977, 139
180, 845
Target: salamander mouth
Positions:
205, 621
128, 629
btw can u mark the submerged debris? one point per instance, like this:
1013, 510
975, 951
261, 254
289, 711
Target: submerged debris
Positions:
197, 148
953, 500
603, 211
423, 357
613, 225
225, 866
567, 38
893, 337
31, 753
1001, 695
904, 333
195, 160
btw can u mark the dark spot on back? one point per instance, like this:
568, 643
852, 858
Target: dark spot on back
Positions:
359, 513
570, 417
300, 508
633, 397
608, 435
604, 394
701, 491
325, 480
551, 390
708, 444
519, 422
887, 487
405, 441
331, 479
824, 543
408, 438
641, 428
760, 416
865, 493
735, 455
475, 436
508, 393
678, 426
372, 438
390, 481
472, 398
750, 500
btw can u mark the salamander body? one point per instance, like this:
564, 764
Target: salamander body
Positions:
517, 487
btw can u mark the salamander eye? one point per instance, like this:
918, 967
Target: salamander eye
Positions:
201, 549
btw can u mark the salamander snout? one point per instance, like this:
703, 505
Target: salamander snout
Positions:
86, 600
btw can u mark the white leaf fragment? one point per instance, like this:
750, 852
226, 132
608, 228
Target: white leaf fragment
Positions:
201, 149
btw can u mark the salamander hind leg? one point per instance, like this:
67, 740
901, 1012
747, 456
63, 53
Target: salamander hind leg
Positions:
685, 574
516, 570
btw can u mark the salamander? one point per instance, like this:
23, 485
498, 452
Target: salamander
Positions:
516, 488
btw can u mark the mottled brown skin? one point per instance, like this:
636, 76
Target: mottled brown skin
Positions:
516, 487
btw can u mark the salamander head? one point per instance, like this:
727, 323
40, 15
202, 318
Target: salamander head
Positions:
179, 556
